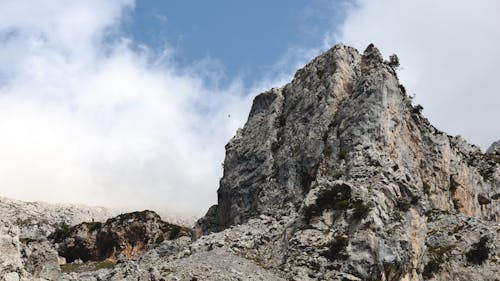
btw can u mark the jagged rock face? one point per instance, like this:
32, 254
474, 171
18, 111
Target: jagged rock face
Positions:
343, 150
345, 116
127, 236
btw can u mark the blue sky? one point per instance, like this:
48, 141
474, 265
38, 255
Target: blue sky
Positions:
246, 37
125, 103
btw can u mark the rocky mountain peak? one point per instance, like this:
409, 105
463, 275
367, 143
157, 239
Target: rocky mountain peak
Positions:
342, 150
372, 55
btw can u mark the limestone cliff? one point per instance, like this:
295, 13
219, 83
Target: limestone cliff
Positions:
360, 175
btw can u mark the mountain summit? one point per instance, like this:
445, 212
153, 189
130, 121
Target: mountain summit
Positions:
335, 176
368, 186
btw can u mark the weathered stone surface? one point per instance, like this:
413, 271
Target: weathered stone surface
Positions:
342, 152
124, 237
26, 254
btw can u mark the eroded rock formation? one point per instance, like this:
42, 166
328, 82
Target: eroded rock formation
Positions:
124, 237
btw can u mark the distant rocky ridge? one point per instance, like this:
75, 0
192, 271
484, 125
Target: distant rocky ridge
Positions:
24, 226
335, 176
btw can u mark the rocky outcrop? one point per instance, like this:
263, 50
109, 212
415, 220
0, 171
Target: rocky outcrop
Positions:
124, 237
494, 148
345, 116
25, 252
355, 167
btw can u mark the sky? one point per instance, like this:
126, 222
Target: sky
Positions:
126, 103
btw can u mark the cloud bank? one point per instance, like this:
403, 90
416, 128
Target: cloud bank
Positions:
449, 57
88, 116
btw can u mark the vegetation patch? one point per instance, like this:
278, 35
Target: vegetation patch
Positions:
336, 198
426, 187
431, 268
343, 153
63, 230
87, 266
479, 251
140, 215
402, 88
175, 231
403, 204
438, 256
336, 248
92, 226
361, 210
168, 270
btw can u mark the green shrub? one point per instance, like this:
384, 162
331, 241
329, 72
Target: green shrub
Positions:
336, 248
361, 210
341, 205
343, 153
335, 198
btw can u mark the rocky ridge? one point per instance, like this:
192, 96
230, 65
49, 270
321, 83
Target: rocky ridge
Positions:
335, 176
26, 252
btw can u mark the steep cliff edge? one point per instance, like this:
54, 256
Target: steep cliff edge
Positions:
364, 181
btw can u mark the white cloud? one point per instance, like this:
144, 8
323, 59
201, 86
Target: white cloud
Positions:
448, 51
88, 116
85, 117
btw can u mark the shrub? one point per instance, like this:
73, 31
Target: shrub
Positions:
336, 248
62, 231
361, 210
431, 268
402, 88
393, 61
343, 153
479, 252
437, 258
335, 198
403, 204
426, 187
